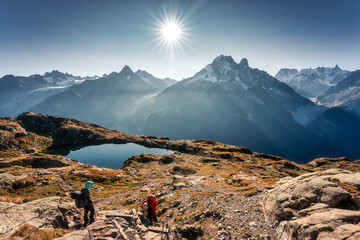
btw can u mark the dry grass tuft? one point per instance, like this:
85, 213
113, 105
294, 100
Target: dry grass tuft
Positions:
10, 199
27, 231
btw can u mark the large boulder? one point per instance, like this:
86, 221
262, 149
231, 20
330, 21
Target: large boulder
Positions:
39, 213
7, 179
320, 205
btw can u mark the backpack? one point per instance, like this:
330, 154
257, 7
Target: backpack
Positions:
79, 200
153, 199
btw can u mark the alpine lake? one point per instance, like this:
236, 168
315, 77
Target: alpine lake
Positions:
106, 155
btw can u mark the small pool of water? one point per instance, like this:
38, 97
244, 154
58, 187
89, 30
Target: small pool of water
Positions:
107, 155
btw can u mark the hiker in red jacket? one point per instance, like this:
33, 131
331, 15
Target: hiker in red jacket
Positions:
151, 203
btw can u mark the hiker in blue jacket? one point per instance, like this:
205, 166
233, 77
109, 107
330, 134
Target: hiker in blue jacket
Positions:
89, 205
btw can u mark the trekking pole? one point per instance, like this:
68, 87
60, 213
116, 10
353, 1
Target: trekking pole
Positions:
162, 229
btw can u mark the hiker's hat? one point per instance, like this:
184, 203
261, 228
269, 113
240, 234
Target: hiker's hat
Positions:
89, 184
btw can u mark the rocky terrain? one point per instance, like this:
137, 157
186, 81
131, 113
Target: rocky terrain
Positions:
206, 189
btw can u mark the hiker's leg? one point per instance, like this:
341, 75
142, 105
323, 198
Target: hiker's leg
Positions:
155, 219
150, 215
86, 219
92, 212
154, 215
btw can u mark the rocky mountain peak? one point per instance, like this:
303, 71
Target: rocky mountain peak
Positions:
56, 77
126, 69
53, 72
286, 74
8, 77
56, 73
223, 59
244, 63
142, 73
223, 64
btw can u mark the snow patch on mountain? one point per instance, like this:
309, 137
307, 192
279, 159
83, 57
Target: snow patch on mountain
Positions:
207, 74
48, 88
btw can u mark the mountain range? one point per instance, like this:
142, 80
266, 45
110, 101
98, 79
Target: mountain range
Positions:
311, 82
345, 94
108, 101
19, 94
225, 101
233, 103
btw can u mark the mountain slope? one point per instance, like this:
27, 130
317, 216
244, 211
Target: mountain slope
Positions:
345, 94
235, 104
286, 75
159, 84
341, 128
107, 100
312, 82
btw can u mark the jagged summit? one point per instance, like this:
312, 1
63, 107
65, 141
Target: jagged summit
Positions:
139, 71
126, 69
222, 65
58, 74
244, 63
143, 73
157, 83
223, 58
312, 82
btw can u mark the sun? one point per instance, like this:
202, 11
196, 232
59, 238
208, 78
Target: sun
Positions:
171, 32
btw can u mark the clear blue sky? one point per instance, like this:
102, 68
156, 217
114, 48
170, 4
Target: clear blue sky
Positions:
95, 37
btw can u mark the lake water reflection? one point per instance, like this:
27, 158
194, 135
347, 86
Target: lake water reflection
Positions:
107, 155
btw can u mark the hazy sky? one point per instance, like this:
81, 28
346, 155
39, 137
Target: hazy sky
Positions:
95, 37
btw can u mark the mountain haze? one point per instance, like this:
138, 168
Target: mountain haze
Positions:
225, 101
231, 102
107, 100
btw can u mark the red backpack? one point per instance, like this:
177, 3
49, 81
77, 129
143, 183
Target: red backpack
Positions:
153, 199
